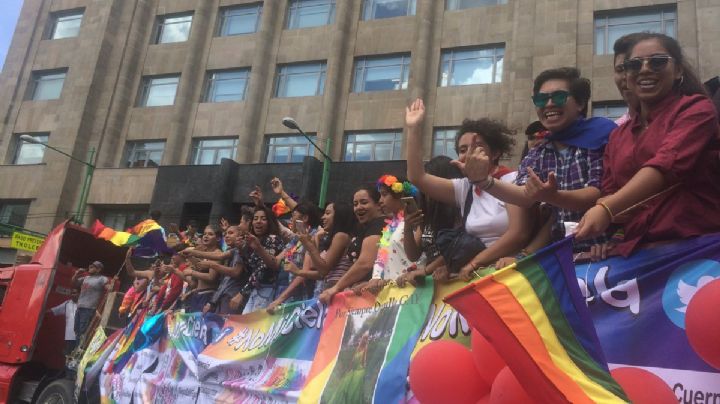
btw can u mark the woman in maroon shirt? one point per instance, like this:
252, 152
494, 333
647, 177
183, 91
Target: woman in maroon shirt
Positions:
660, 173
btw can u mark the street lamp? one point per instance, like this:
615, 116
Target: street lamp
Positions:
291, 124
89, 170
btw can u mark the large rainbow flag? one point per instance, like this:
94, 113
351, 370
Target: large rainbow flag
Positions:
535, 317
146, 236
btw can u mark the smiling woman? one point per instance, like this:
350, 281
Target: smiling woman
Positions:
660, 168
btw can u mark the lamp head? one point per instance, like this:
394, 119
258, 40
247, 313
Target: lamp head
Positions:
290, 123
29, 139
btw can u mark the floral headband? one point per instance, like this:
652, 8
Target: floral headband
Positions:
396, 186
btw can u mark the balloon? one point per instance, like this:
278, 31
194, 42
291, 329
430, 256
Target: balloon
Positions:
701, 325
484, 400
488, 362
643, 387
444, 372
506, 389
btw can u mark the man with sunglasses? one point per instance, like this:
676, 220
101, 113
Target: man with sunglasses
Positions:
564, 170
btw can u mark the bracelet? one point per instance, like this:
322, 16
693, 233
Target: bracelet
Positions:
607, 209
482, 183
489, 184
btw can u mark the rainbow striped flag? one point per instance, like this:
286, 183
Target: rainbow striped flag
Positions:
536, 318
146, 236
119, 238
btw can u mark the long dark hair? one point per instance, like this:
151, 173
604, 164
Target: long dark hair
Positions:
690, 84
440, 215
344, 221
309, 209
372, 191
273, 226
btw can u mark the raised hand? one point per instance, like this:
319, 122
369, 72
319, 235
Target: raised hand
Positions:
257, 196
224, 224
277, 186
538, 190
477, 164
415, 113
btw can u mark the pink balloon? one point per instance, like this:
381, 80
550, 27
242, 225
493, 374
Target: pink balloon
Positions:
444, 372
702, 325
488, 362
643, 387
506, 389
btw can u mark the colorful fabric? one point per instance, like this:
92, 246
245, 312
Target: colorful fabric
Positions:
391, 260
534, 313
591, 133
147, 236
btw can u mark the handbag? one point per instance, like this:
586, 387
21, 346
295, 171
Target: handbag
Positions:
457, 246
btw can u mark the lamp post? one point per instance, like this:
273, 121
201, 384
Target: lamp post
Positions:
291, 124
89, 170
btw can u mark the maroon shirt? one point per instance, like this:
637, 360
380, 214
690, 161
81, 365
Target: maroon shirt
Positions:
682, 140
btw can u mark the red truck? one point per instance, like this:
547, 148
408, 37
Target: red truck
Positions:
32, 364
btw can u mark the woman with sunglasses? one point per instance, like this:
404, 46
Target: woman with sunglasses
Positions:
564, 170
661, 167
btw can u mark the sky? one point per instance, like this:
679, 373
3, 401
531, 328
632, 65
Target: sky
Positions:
9, 12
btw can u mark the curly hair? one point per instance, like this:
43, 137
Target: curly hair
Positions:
497, 136
579, 86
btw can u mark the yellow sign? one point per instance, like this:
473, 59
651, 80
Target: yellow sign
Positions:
22, 241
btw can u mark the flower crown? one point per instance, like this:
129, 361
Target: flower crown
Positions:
396, 186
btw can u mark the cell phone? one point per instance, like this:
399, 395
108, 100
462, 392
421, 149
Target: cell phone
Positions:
409, 204
300, 227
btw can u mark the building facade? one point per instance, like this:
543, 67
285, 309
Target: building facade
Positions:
146, 84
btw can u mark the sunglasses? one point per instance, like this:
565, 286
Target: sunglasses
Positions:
559, 98
656, 63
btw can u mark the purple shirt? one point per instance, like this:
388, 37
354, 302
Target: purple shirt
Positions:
574, 167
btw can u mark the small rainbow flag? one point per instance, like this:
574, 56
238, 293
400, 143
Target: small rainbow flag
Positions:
119, 238
146, 236
535, 317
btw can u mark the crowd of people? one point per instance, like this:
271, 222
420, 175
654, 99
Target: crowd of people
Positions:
649, 177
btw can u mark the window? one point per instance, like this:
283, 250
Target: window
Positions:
609, 110
444, 143
381, 73
211, 151
609, 26
65, 24
143, 153
373, 146
378, 9
29, 153
158, 91
14, 212
461, 67
228, 85
310, 13
463, 4
288, 149
47, 85
300, 80
240, 20
122, 218
174, 28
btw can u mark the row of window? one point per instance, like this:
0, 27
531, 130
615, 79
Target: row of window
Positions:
245, 19
364, 146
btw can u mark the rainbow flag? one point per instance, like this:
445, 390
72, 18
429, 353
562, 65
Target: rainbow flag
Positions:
535, 317
119, 238
146, 236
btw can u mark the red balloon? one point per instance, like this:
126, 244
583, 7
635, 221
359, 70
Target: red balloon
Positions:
488, 362
506, 389
484, 400
701, 325
643, 387
444, 372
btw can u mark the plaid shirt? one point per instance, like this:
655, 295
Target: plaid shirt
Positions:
575, 168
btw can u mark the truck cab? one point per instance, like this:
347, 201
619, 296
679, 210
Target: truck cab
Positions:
32, 339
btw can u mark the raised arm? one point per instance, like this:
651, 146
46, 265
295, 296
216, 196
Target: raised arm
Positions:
334, 253
277, 187
208, 255
130, 268
440, 189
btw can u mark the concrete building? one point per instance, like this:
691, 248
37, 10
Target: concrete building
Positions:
149, 84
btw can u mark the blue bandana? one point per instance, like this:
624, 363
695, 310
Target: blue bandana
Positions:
591, 133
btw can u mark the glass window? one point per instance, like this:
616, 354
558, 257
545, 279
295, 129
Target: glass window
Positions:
122, 218
174, 28
310, 13
14, 213
381, 73
143, 153
373, 146
158, 91
47, 85
300, 80
378, 9
609, 26
609, 110
65, 24
461, 67
238, 20
444, 143
211, 151
228, 85
29, 153
288, 149
463, 4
